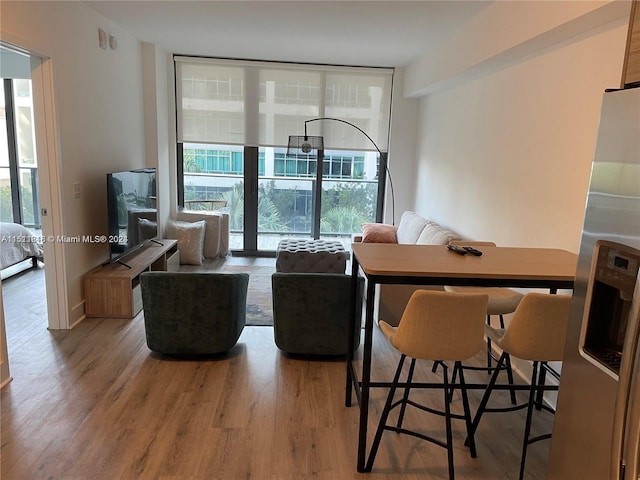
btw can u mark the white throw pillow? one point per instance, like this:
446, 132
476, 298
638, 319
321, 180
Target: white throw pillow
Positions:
410, 228
190, 236
433, 234
212, 230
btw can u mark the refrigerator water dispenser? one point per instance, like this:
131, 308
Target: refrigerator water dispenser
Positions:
608, 304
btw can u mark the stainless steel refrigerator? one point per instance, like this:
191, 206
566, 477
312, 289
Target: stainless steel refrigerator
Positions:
596, 431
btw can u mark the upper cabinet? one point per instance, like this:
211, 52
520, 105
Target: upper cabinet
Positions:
631, 68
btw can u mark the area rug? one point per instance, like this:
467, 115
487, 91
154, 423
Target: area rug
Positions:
259, 304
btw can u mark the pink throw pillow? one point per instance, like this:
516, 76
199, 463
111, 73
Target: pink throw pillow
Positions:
379, 233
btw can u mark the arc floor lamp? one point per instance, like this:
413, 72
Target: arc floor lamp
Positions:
305, 144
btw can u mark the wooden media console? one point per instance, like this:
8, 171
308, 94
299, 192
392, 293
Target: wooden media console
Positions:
113, 290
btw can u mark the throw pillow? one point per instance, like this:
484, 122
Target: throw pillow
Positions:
190, 238
212, 229
433, 234
411, 225
147, 229
379, 233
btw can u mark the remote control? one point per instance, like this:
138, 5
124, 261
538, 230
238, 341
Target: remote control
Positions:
473, 251
457, 249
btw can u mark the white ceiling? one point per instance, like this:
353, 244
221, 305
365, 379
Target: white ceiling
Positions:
356, 32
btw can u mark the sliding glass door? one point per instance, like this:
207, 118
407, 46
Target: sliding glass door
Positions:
288, 188
349, 193
285, 201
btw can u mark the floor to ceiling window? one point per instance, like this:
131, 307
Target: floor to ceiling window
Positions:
234, 121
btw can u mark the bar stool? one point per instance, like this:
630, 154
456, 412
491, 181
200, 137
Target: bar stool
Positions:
501, 302
438, 326
536, 333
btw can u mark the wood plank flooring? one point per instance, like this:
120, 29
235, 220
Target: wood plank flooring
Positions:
95, 403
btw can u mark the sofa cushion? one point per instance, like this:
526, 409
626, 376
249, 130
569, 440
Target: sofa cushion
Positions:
410, 228
379, 233
147, 229
434, 234
133, 215
216, 232
190, 236
306, 255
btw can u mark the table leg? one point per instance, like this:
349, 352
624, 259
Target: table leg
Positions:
352, 330
366, 377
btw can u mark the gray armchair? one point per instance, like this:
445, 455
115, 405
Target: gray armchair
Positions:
193, 313
311, 312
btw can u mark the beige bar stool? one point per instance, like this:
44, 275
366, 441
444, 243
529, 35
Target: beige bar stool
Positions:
501, 302
438, 326
537, 333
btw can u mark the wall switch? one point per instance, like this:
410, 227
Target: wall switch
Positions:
76, 190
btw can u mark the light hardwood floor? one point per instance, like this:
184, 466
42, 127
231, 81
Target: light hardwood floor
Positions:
94, 403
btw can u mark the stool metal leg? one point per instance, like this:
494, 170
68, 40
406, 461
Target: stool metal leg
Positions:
390, 404
534, 389
447, 416
512, 392
542, 377
467, 411
527, 425
457, 367
489, 354
507, 363
403, 407
509, 370
384, 416
485, 397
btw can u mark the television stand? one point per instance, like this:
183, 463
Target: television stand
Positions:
111, 291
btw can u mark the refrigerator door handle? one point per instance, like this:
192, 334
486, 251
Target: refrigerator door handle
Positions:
625, 444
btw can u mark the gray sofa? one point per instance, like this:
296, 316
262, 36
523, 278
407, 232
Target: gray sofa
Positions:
412, 229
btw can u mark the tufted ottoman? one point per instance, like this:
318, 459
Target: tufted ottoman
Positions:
310, 256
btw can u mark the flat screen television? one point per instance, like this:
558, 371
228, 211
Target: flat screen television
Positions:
131, 209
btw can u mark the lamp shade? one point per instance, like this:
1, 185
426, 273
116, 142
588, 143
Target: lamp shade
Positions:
304, 144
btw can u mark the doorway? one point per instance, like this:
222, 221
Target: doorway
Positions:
24, 281
38, 198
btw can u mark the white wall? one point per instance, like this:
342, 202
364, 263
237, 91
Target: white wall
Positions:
505, 147
504, 32
506, 155
159, 134
402, 149
99, 107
